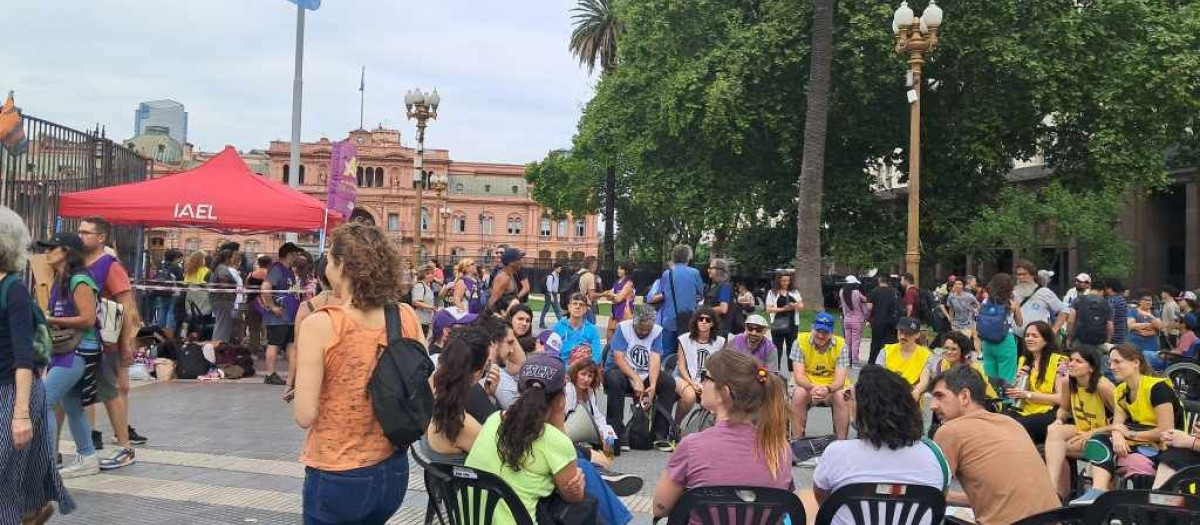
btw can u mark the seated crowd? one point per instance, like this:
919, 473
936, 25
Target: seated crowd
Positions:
502, 400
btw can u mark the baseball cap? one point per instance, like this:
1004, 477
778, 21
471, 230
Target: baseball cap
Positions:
543, 369
756, 320
850, 279
823, 322
952, 279
445, 319
908, 324
511, 255
1188, 295
1083, 278
551, 341
64, 239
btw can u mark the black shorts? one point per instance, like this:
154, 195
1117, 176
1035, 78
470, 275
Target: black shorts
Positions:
280, 335
1179, 458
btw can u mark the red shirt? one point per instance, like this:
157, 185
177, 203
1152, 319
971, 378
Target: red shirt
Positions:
912, 298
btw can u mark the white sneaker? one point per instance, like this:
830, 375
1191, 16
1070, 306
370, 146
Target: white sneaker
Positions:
82, 466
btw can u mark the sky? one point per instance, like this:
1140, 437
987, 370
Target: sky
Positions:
510, 90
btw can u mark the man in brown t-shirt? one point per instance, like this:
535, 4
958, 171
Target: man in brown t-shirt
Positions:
991, 455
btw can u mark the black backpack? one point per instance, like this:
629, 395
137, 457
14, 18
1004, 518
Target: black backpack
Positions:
191, 362
566, 287
930, 311
1091, 319
399, 388
638, 433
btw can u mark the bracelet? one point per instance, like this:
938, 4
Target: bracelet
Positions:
15, 418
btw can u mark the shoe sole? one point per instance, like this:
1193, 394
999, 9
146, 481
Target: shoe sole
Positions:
625, 485
115, 467
73, 475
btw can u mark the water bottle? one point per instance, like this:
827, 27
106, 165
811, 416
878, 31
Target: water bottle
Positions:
1022, 383
610, 442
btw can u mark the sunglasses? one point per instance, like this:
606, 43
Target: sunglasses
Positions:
704, 320
705, 377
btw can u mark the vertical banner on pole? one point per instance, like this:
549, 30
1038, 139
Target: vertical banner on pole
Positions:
343, 188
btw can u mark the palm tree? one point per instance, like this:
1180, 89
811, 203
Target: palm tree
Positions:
594, 41
812, 166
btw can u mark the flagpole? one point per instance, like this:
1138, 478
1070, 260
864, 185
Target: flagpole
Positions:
297, 94
324, 230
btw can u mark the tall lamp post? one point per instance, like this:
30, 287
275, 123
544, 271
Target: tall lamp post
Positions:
445, 212
915, 38
438, 183
422, 107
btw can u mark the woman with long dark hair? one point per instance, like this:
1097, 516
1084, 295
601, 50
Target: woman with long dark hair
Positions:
1000, 356
747, 446
452, 430
622, 297
695, 346
30, 483
783, 309
854, 306
71, 381
526, 446
1041, 363
338, 350
957, 349
889, 447
1084, 412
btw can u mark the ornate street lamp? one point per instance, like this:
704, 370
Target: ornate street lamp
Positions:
421, 107
915, 38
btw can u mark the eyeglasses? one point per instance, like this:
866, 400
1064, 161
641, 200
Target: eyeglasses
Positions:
705, 377
704, 320
85, 232
755, 329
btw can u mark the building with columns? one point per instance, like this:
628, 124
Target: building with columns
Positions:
469, 208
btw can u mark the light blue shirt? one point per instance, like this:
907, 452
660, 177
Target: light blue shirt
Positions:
689, 286
572, 338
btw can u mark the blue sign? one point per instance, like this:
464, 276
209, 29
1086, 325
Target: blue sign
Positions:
311, 5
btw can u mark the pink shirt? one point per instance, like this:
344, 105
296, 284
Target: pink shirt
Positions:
725, 455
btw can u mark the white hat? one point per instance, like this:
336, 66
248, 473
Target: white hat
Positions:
850, 279
1083, 278
756, 320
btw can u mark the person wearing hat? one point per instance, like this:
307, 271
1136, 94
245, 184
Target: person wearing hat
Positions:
527, 448
754, 340
820, 366
509, 281
1083, 282
635, 367
907, 358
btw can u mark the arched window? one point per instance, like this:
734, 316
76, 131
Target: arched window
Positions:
545, 230
560, 256
360, 176
460, 223
301, 174
562, 228
287, 170
458, 187
253, 248
580, 228
157, 242
378, 177
515, 189
485, 225
192, 244
515, 225
487, 188
424, 219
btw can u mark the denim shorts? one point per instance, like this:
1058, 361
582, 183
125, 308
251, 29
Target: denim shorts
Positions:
368, 495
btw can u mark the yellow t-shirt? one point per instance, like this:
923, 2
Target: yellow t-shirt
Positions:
944, 365
1046, 385
908, 367
820, 366
1140, 411
1089, 410
200, 276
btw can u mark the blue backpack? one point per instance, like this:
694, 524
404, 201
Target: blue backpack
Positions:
993, 324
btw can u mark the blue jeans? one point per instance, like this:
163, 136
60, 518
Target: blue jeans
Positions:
368, 495
61, 389
164, 311
1155, 362
609, 506
551, 302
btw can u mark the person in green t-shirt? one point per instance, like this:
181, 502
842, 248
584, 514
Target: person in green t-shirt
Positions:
524, 446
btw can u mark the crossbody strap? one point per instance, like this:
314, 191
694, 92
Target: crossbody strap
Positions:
1026, 300
674, 296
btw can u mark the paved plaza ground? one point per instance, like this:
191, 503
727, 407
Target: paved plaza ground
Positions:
227, 452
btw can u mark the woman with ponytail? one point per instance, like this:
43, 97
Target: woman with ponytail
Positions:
735, 451
452, 431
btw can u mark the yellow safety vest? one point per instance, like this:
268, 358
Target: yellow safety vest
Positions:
1089, 410
944, 365
1141, 411
1045, 386
909, 368
820, 366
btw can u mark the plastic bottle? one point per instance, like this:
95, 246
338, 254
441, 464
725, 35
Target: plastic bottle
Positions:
610, 442
1022, 383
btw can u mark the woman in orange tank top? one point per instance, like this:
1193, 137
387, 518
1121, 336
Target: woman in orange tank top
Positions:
353, 473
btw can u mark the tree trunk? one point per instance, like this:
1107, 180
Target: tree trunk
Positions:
812, 166
610, 211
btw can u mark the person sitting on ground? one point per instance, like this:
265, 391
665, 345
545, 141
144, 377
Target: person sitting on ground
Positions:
1084, 412
520, 318
957, 348
584, 379
747, 446
700, 342
820, 370
526, 449
989, 454
635, 367
579, 336
907, 358
1146, 407
1043, 365
754, 340
889, 447
452, 430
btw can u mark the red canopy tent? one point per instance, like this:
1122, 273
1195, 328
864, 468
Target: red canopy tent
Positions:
222, 194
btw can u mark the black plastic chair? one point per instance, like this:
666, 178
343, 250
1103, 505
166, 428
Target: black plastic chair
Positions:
465, 496
1143, 507
1186, 481
737, 506
885, 503
1060, 516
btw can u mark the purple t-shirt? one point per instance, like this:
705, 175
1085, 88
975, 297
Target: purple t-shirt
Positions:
763, 352
725, 455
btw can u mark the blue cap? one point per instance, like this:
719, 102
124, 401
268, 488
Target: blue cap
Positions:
823, 322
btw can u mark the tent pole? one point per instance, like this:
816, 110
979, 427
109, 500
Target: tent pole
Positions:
324, 228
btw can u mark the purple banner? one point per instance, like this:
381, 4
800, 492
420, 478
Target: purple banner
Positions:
342, 178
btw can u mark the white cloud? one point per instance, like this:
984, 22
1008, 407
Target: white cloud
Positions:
511, 91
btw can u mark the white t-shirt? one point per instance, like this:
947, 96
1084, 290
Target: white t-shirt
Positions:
592, 406
856, 461
696, 353
507, 391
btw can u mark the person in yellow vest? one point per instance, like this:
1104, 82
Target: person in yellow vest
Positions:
956, 350
1085, 410
1145, 408
907, 358
820, 365
1042, 364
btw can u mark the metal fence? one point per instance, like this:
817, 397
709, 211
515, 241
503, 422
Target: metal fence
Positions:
63, 160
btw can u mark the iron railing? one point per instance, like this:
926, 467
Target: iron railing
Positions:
62, 160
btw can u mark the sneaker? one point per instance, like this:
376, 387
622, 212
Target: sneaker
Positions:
664, 446
123, 458
135, 438
621, 484
97, 440
274, 379
1087, 498
810, 462
82, 466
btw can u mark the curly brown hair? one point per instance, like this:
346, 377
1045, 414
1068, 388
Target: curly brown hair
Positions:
369, 261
